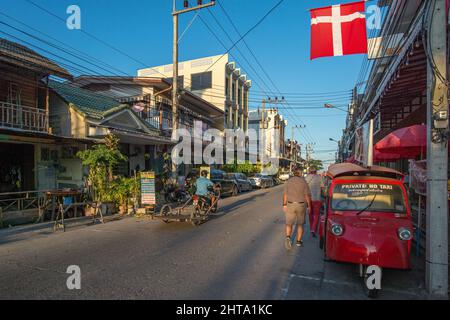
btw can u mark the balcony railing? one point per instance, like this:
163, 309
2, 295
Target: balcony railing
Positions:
22, 117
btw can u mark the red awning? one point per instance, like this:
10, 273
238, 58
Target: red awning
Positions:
385, 157
406, 143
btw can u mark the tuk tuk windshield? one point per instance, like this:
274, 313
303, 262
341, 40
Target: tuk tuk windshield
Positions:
375, 197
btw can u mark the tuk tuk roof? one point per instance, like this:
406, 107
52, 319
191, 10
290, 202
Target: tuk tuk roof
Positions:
350, 169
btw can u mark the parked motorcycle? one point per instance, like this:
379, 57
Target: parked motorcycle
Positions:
173, 194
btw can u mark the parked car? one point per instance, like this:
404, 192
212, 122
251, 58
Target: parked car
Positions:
276, 181
260, 181
241, 180
228, 187
284, 176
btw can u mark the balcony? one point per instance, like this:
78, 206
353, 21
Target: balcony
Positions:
22, 117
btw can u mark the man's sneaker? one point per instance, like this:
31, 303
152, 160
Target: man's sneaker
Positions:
299, 243
288, 243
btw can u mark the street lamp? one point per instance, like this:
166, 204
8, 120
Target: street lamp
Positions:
339, 149
330, 106
334, 140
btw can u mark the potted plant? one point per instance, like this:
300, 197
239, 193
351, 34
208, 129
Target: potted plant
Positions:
101, 159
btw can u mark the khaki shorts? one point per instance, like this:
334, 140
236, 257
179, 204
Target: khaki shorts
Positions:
296, 213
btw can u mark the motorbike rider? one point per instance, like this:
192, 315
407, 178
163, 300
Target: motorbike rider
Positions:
203, 184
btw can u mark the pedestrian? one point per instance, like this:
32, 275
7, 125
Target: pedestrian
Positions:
295, 198
315, 185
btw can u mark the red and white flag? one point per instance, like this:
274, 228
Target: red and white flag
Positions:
338, 30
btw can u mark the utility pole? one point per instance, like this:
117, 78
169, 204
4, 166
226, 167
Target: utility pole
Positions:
175, 14
437, 153
263, 118
293, 139
308, 149
175, 71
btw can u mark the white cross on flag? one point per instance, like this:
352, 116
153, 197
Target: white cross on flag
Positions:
338, 30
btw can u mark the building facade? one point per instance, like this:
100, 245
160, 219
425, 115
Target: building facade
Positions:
396, 95
216, 80
269, 141
28, 147
150, 100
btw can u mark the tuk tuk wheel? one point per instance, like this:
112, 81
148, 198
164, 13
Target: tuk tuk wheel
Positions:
370, 293
165, 211
195, 217
196, 223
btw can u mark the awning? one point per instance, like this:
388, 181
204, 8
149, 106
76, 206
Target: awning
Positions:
408, 142
385, 157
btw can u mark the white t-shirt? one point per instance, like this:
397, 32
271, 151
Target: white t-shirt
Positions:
315, 184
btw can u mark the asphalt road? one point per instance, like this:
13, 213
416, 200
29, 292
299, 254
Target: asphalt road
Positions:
239, 254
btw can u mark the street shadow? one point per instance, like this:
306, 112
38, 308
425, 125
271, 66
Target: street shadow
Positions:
237, 204
26, 232
224, 284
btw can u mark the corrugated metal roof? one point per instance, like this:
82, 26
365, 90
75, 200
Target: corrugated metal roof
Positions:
94, 105
19, 55
87, 102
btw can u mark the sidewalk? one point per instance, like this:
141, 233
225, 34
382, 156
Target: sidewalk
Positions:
36, 230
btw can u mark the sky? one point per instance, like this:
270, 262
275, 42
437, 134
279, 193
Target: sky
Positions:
143, 30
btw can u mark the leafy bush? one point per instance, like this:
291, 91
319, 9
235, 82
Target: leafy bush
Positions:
101, 159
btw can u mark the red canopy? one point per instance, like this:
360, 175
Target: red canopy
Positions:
385, 157
407, 142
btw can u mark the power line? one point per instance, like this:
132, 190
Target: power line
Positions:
92, 36
250, 30
256, 59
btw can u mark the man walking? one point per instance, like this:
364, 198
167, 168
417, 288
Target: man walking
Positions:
315, 185
296, 196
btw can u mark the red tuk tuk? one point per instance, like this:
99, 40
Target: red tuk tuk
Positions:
367, 218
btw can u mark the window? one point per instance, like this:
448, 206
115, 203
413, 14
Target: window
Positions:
245, 100
180, 81
14, 94
233, 94
201, 81
240, 96
227, 87
373, 197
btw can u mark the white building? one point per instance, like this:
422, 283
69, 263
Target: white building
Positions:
273, 138
216, 80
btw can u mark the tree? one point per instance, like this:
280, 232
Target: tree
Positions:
246, 168
315, 164
101, 159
